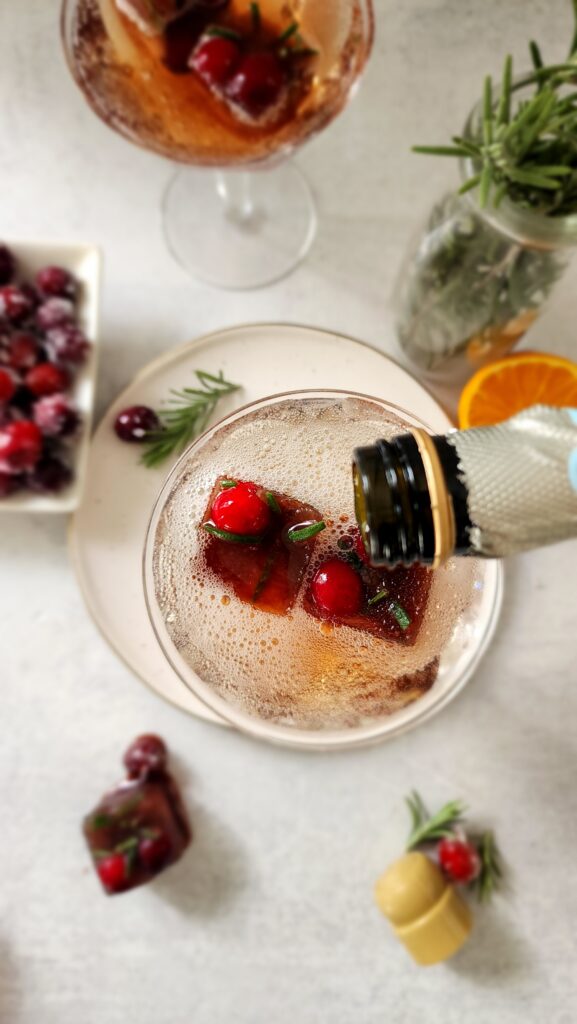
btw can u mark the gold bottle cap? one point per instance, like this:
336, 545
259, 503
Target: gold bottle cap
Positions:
441, 504
427, 914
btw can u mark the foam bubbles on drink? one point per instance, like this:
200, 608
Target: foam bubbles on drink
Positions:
293, 670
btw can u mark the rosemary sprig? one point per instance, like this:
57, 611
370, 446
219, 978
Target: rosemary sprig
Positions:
255, 17
377, 598
490, 877
525, 148
298, 534
189, 414
272, 502
426, 827
223, 32
232, 538
401, 614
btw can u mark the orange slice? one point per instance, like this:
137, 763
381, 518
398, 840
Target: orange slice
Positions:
504, 388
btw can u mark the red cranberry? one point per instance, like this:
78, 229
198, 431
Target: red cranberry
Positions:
50, 476
7, 386
56, 281
154, 853
459, 860
23, 351
258, 82
240, 509
47, 379
30, 292
112, 872
215, 59
15, 303
134, 424
7, 265
337, 589
68, 344
20, 446
9, 483
361, 550
147, 754
56, 416
53, 313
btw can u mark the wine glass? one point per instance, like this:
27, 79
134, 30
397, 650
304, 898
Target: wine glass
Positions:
228, 84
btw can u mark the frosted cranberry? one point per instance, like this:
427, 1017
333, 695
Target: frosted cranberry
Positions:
112, 872
7, 386
23, 351
9, 484
459, 860
154, 852
50, 476
20, 446
147, 754
67, 344
337, 589
53, 313
215, 59
258, 82
56, 281
7, 265
31, 294
134, 424
15, 304
47, 379
56, 416
241, 510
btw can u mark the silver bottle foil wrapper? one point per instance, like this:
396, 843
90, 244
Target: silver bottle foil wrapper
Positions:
521, 478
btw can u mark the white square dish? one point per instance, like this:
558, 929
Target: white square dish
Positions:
84, 261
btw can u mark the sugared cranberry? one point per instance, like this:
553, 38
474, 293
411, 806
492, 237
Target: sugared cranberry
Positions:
7, 386
20, 446
9, 483
112, 872
47, 379
258, 82
459, 860
53, 313
337, 589
50, 476
154, 852
31, 294
240, 509
22, 351
67, 344
134, 424
15, 304
56, 281
215, 59
7, 265
56, 416
147, 754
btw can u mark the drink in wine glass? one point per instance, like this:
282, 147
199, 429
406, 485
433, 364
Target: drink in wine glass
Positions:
259, 587
228, 84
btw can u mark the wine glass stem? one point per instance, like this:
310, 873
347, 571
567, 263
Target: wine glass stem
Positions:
235, 189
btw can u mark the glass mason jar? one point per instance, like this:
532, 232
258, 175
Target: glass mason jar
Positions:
474, 280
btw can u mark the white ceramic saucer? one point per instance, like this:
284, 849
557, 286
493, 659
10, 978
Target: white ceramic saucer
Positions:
108, 531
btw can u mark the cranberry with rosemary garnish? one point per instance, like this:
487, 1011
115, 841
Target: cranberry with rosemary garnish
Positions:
241, 510
459, 860
20, 447
47, 379
136, 423
54, 312
15, 304
56, 281
7, 386
147, 754
67, 344
112, 872
56, 416
50, 476
258, 82
215, 59
7, 265
337, 589
154, 852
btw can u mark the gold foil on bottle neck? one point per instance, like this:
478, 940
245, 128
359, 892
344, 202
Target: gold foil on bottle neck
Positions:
441, 504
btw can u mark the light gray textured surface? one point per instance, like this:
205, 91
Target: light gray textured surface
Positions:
270, 917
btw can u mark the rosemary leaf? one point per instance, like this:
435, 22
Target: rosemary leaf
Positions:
504, 112
427, 828
298, 534
535, 55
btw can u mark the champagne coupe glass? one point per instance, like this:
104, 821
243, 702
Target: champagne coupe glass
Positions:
228, 84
